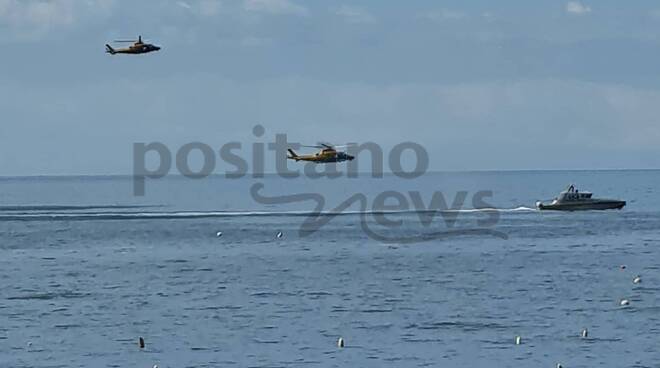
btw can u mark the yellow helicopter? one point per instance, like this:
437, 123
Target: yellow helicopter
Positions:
328, 153
138, 47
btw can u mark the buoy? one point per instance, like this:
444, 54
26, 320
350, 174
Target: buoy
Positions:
637, 279
340, 342
559, 365
623, 267
141, 342
155, 365
624, 302
218, 234
585, 333
518, 340
279, 235
29, 343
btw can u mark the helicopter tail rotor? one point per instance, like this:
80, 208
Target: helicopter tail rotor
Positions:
292, 155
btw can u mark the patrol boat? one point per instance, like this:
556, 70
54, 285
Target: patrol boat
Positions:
573, 200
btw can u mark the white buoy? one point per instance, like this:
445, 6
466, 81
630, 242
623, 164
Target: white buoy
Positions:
559, 365
637, 279
584, 334
155, 365
518, 340
340, 342
622, 267
624, 302
218, 234
279, 235
29, 344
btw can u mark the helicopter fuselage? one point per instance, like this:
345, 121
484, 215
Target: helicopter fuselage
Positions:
134, 49
323, 156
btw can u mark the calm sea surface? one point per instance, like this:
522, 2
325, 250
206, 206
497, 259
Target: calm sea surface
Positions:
86, 268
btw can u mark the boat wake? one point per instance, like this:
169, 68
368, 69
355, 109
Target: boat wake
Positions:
50, 207
80, 213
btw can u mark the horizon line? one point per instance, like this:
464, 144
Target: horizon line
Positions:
269, 174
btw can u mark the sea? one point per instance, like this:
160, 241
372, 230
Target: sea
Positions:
442, 270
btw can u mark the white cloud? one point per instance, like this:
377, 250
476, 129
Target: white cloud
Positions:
34, 18
488, 16
36, 13
505, 124
655, 13
355, 15
443, 15
183, 4
209, 7
575, 7
205, 8
275, 7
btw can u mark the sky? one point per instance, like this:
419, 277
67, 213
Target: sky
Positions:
484, 85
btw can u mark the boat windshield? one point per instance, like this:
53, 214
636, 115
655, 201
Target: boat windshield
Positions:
572, 194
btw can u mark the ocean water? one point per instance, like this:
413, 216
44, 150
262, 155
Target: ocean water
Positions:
86, 268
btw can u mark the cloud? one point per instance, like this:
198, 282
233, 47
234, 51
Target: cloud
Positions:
205, 8
542, 124
488, 16
209, 7
655, 13
35, 18
355, 15
18, 13
575, 7
183, 4
275, 7
443, 15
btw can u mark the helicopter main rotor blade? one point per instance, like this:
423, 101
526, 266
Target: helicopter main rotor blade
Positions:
144, 40
328, 145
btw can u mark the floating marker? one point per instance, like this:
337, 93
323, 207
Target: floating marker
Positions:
584, 334
624, 302
637, 279
29, 343
340, 342
279, 235
518, 340
623, 267
141, 342
155, 365
559, 365
218, 234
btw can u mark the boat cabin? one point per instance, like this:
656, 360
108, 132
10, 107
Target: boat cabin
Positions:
572, 194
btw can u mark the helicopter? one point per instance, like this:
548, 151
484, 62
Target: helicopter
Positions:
138, 47
327, 154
